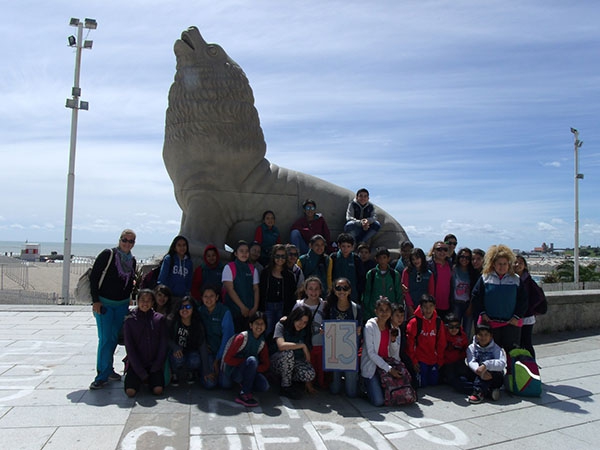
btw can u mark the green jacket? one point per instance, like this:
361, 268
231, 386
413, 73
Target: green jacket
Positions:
387, 285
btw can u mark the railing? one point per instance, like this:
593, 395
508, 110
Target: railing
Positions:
17, 272
37, 283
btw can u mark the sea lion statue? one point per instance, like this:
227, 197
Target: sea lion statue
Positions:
214, 152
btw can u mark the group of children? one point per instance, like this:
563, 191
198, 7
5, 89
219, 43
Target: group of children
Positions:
258, 319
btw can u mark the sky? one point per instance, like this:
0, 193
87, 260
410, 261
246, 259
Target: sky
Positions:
456, 115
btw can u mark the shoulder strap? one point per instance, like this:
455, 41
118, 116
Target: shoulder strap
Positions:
438, 324
233, 269
110, 258
419, 329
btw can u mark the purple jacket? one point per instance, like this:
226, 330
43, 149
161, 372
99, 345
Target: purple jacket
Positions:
145, 341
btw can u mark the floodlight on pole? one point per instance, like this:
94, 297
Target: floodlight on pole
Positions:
578, 176
75, 104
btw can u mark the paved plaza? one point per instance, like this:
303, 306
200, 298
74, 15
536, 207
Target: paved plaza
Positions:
47, 361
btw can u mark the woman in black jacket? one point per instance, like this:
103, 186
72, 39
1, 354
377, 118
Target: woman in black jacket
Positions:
111, 282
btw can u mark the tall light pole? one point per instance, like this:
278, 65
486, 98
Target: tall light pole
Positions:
75, 105
578, 176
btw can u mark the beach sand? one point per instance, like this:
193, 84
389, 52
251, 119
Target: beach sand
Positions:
35, 280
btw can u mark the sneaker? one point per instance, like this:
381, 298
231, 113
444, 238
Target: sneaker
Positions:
246, 400
174, 380
289, 392
114, 376
98, 385
495, 394
190, 378
475, 397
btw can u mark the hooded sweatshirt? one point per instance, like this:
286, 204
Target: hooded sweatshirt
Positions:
207, 275
491, 356
176, 274
429, 347
145, 336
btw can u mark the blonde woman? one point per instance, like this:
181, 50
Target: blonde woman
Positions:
499, 298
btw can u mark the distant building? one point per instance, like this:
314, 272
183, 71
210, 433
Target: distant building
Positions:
31, 252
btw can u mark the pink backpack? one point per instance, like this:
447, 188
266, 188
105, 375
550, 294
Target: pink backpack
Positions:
397, 391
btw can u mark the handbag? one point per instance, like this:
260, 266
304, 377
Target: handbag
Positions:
83, 290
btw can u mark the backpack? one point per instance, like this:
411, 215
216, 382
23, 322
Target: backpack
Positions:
371, 275
83, 290
242, 347
523, 374
540, 305
233, 268
397, 391
438, 324
150, 280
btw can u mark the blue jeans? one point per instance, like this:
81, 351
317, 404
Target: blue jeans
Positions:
246, 374
374, 390
297, 239
429, 375
459, 310
109, 324
189, 361
360, 235
350, 384
273, 312
211, 384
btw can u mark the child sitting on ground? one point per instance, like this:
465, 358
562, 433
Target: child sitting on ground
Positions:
426, 340
487, 362
457, 341
245, 361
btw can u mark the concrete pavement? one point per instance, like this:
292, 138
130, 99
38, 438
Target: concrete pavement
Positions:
47, 361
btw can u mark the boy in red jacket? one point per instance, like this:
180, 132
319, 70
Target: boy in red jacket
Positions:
426, 342
455, 369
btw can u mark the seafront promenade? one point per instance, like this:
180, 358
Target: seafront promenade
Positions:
47, 360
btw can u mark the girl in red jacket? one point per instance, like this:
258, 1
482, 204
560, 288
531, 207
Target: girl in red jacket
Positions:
246, 359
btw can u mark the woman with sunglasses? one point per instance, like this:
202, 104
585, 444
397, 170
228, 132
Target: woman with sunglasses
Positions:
277, 288
188, 350
338, 306
111, 283
441, 268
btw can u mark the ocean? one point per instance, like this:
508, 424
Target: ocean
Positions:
143, 253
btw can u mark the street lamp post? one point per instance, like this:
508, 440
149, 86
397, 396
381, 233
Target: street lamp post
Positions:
578, 176
75, 104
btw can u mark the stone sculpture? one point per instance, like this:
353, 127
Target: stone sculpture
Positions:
214, 152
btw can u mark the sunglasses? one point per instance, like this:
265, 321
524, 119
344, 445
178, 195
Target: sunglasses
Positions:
342, 288
295, 255
309, 208
279, 257
467, 257
441, 249
188, 306
451, 243
127, 241
453, 327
